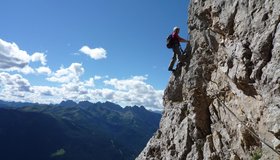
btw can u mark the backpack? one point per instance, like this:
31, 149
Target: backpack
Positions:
170, 42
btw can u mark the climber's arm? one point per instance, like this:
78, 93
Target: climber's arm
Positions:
182, 39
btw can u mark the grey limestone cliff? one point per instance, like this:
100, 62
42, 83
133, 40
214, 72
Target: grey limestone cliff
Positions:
224, 102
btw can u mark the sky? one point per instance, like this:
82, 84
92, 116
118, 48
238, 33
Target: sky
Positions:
87, 50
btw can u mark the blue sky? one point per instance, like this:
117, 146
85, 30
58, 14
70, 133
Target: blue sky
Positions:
95, 50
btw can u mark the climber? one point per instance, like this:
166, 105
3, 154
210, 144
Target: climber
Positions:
176, 47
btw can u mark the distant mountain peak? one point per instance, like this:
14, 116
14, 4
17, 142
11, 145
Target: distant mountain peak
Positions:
68, 103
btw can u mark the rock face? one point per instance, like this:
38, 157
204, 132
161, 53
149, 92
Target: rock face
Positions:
224, 102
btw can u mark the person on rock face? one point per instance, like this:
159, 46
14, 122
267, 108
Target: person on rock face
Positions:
176, 47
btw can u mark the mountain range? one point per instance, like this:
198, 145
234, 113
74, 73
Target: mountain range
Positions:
71, 131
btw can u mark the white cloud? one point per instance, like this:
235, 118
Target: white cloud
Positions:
89, 83
97, 77
26, 70
16, 88
71, 87
44, 90
45, 94
44, 70
12, 58
125, 92
39, 57
135, 91
127, 84
66, 75
96, 53
14, 85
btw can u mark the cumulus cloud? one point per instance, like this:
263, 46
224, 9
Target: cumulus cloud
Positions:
14, 85
89, 83
39, 57
44, 90
128, 84
96, 53
25, 70
135, 91
126, 92
12, 58
66, 75
44, 70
